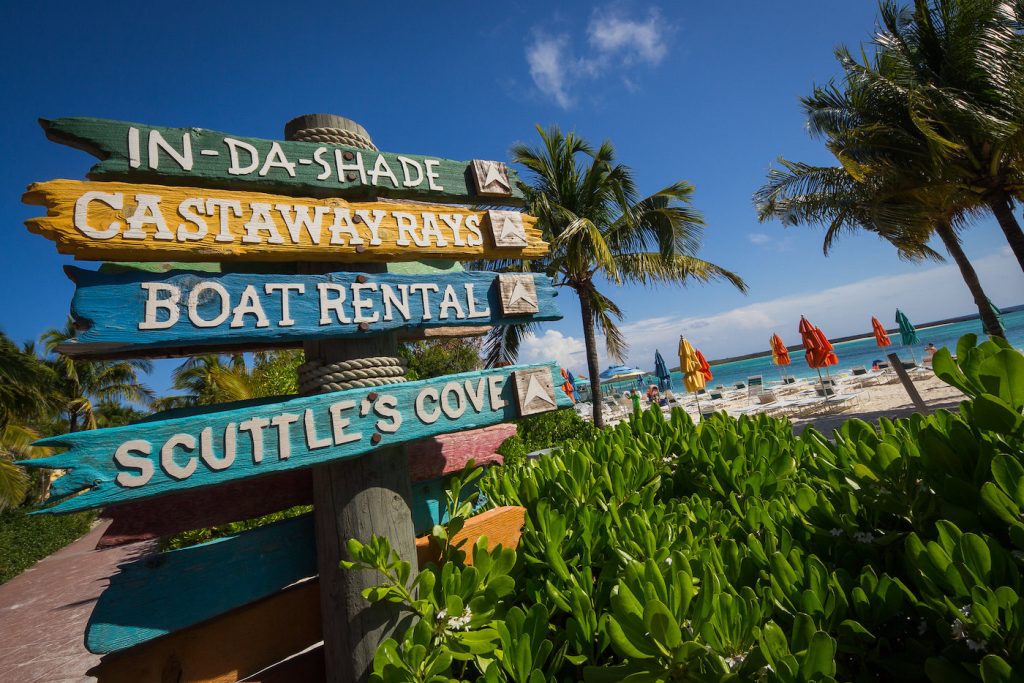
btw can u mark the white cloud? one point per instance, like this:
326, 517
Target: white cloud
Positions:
615, 41
547, 58
610, 34
569, 352
759, 238
925, 295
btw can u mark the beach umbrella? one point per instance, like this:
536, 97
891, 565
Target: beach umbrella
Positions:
995, 311
817, 349
694, 367
780, 354
661, 371
908, 335
569, 386
881, 336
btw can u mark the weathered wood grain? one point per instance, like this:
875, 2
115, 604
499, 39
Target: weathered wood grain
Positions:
138, 152
226, 648
235, 501
136, 312
125, 222
173, 591
112, 466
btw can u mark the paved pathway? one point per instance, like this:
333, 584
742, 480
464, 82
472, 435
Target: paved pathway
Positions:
43, 611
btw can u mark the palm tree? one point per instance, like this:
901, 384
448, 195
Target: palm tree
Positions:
83, 382
211, 378
24, 397
890, 181
798, 193
958, 67
598, 227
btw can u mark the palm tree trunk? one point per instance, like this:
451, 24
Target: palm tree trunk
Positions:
592, 366
1000, 205
952, 242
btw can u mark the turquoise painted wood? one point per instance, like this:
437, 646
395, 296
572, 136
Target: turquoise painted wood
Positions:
110, 466
172, 590
184, 311
137, 152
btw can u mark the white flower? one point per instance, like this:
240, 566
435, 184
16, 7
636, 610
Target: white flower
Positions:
836, 532
460, 623
668, 560
966, 610
442, 615
976, 646
863, 536
736, 661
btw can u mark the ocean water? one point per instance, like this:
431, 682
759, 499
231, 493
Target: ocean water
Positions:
851, 354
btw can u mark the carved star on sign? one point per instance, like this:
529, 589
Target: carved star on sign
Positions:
491, 178
534, 391
507, 228
518, 294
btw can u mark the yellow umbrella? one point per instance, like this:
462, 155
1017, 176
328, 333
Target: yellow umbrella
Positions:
689, 363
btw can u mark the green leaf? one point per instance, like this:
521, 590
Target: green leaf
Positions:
820, 657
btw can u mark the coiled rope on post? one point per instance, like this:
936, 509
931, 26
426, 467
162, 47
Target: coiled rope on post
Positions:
338, 136
317, 377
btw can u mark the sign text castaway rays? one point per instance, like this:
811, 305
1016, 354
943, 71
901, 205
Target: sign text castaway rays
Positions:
110, 466
121, 221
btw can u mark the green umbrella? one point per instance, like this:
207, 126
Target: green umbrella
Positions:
908, 335
996, 312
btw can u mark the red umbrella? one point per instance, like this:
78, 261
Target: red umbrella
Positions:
817, 348
780, 354
704, 367
881, 336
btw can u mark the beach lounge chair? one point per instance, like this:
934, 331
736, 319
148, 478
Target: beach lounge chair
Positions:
740, 385
859, 370
716, 395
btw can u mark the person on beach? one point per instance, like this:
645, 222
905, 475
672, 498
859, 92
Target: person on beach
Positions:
929, 351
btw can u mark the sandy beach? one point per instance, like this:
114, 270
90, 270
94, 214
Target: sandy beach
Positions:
868, 399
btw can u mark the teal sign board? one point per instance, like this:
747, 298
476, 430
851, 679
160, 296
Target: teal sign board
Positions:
120, 464
129, 312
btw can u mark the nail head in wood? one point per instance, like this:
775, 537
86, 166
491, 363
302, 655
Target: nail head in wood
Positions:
534, 391
517, 294
363, 327
490, 178
349, 156
372, 396
360, 279
375, 439
360, 248
351, 176
507, 229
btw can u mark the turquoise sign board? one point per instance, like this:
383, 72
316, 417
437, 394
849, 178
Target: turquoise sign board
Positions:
232, 442
138, 311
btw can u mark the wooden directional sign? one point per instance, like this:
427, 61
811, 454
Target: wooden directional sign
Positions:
173, 590
120, 464
193, 156
186, 311
128, 222
429, 459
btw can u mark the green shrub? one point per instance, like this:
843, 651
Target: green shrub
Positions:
661, 550
25, 539
184, 539
545, 430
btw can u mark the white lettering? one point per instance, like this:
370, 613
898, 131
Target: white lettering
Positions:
255, 427
282, 423
236, 167
327, 305
147, 211
221, 207
302, 220
408, 165
427, 393
432, 175
123, 457
157, 143
338, 423
153, 304
312, 441
277, 159
392, 301
192, 211
173, 469
206, 447
359, 303
285, 288
114, 201
249, 304
193, 304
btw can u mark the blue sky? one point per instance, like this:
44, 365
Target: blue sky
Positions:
705, 92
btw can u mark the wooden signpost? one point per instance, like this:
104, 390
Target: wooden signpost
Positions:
311, 209
129, 312
124, 222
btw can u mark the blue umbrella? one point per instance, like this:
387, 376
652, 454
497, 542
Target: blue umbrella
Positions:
661, 370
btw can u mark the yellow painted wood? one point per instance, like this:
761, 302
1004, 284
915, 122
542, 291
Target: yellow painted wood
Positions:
129, 222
